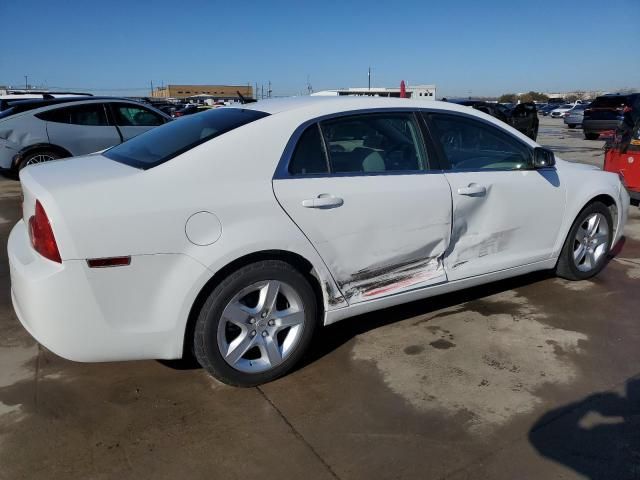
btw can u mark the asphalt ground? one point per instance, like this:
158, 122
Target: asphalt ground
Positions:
530, 378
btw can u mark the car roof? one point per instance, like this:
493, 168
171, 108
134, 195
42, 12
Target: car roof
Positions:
43, 102
21, 106
328, 105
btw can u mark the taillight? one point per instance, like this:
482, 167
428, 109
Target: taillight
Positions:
626, 109
41, 235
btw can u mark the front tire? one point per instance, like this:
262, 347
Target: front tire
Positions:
572, 125
591, 136
586, 248
256, 324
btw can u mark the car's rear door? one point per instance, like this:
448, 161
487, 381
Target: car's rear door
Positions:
80, 129
362, 189
505, 214
132, 119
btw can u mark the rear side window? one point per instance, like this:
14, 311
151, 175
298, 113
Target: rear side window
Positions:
128, 115
309, 157
171, 139
92, 114
374, 143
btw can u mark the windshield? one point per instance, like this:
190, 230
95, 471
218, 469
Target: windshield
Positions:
170, 140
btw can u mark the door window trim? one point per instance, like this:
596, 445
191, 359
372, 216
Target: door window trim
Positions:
444, 160
432, 161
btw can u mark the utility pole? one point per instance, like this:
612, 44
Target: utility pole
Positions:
255, 92
26, 84
369, 75
262, 94
309, 87
269, 90
152, 88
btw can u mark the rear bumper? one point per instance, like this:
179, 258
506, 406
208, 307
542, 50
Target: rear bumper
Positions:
573, 120
600, 125
107, 314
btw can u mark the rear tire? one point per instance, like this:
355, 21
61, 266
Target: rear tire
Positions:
571, 125
587, 245
256, 324
38, 156
591, 135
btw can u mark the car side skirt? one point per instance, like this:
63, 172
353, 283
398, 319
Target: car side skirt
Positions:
334, 316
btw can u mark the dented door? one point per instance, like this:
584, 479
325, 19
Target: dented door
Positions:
505, 214
379, 229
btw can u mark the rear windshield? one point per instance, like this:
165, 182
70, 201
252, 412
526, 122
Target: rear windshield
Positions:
171, 139
613, 101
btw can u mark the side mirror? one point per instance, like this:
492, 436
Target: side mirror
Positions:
543, 158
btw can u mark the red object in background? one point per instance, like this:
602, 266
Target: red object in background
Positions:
622, 156
403, 90
627, 165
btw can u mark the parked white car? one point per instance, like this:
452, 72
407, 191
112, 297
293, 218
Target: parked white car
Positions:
234, 233
562, 110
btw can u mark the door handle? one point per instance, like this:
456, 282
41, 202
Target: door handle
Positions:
473, 190
324, 200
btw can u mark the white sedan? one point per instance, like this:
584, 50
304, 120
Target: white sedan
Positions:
233, 234
562, 111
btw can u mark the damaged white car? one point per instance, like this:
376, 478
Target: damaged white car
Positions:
234, 233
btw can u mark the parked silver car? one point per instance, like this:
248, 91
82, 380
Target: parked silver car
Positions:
574, 116
34, 131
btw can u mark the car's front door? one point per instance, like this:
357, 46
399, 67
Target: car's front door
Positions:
80, 129
133, 119
505, 213
361, 189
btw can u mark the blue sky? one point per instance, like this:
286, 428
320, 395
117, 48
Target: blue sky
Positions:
463, 46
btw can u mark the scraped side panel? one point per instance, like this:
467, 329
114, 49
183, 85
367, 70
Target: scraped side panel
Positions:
388, 236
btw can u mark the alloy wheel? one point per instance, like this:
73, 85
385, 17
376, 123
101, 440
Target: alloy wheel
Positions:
261, 326
40, 158
591, 242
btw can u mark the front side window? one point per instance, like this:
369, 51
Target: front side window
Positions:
161, 144
91, 114
127, 115
374, 143
471, 145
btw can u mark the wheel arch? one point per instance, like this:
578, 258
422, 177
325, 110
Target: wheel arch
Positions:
605, 198
36, 147
304, 266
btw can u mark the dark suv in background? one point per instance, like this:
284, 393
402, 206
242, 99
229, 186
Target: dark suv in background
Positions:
523, 116
609, 113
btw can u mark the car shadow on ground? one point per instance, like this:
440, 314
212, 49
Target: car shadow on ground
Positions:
598, 437
331, 337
